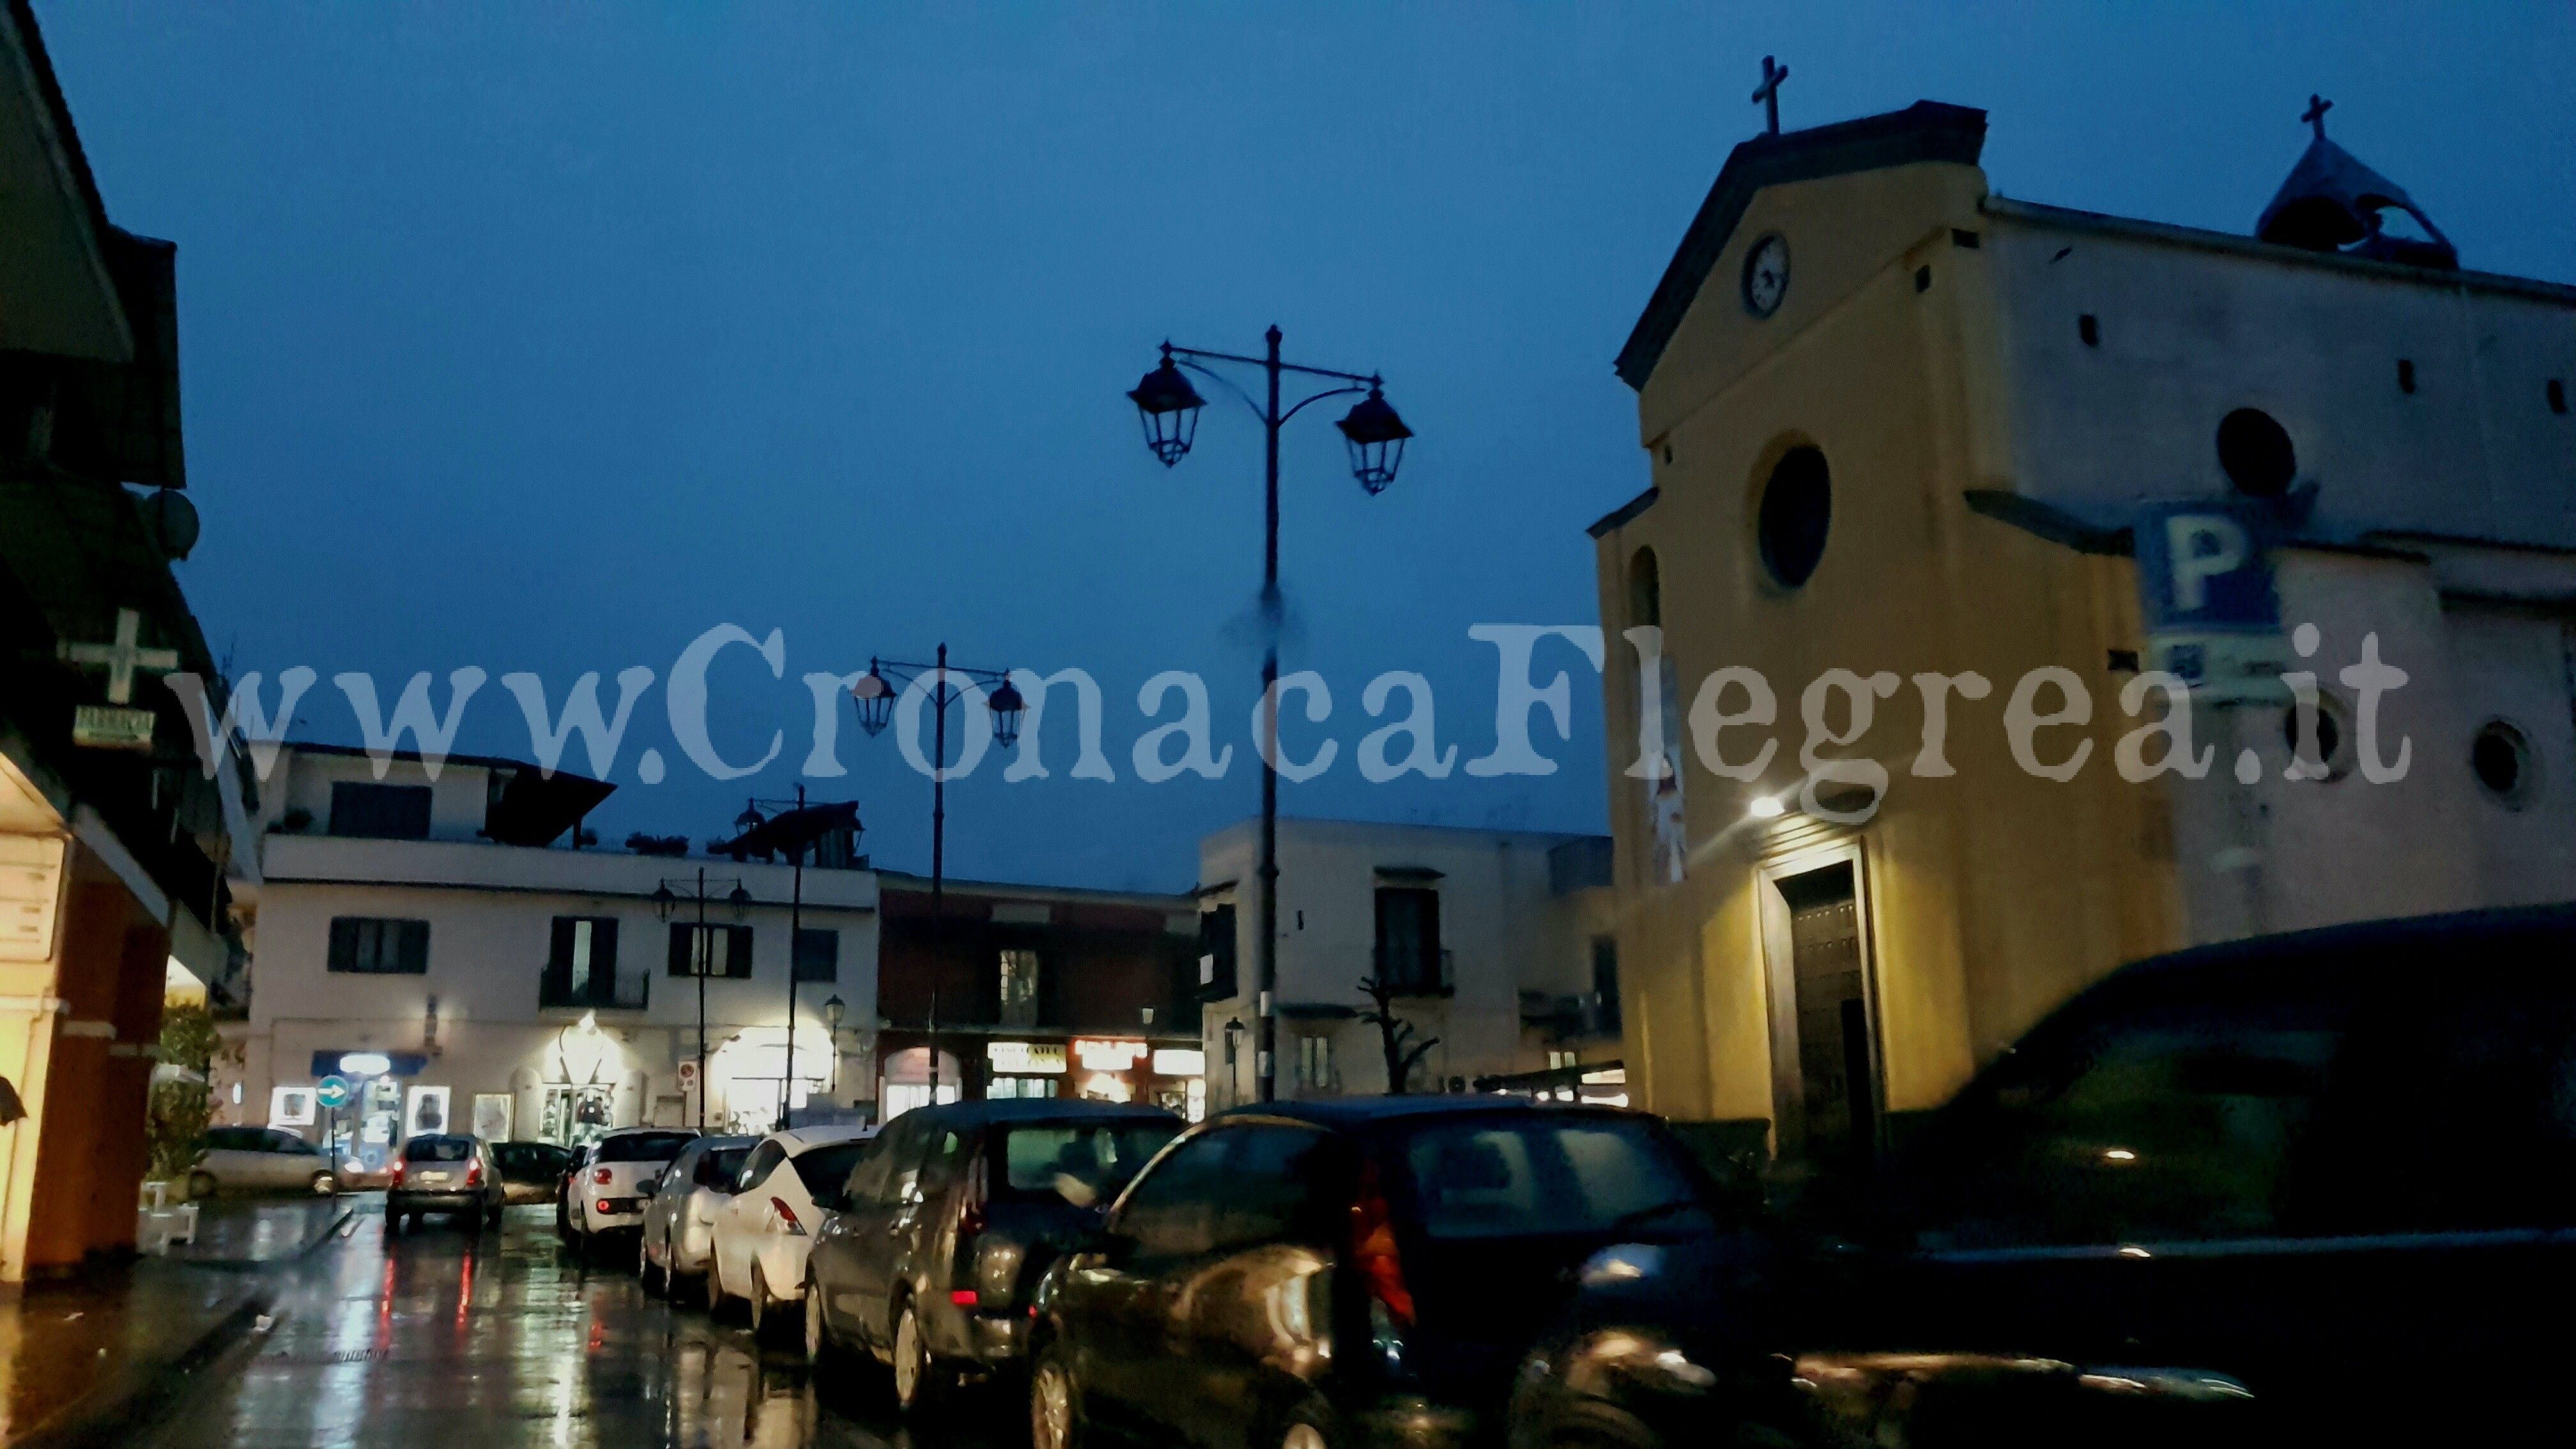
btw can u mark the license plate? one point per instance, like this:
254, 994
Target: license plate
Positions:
436, 1179
619, 1205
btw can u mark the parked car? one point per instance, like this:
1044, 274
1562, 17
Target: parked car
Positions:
445, 1173
2316, 1188
564, 1191
614, 1178
679, 1223
532, 1171
260, 1159
1349, 1271
761, 1232
930, 1253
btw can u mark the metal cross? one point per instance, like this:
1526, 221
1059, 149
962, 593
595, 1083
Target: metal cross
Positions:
2316, 113
1768, 93
122, 658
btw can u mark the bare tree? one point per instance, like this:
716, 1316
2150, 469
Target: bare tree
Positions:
1395, 1035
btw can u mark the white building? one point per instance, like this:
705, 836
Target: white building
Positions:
520, 988
1500, 944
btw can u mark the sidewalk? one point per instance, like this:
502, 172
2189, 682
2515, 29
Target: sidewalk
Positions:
72, 1355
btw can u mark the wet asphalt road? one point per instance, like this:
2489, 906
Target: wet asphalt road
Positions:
439, 1337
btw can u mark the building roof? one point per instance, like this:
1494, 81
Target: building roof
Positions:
534, 808
1924, 131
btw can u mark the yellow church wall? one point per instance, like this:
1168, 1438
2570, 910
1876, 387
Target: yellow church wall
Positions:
1990, 895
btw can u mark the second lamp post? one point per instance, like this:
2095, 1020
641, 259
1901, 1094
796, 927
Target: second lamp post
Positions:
876, 693
1169, 408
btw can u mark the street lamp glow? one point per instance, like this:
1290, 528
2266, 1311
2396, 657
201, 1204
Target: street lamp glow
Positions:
366, 1064
1766, 807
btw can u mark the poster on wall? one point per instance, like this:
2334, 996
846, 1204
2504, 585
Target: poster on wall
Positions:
291, 1107
428, 1114
492, 1116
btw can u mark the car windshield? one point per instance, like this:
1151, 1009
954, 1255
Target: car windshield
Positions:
827, 1167
642, 1147
719, 1167
438, 1149
1531, 1176
1084, 1163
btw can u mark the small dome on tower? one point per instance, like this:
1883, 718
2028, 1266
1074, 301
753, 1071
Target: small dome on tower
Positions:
2333, 203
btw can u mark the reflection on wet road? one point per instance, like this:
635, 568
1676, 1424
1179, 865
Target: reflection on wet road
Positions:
438, 1337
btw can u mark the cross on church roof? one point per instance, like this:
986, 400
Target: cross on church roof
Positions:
122, 657
1768, 93
2315, 115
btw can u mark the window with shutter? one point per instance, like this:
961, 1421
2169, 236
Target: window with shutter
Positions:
378, 946
1408, 939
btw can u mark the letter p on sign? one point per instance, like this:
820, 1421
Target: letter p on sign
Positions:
2200, 547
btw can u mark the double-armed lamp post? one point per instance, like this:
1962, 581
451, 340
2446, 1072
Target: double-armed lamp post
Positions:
876, 693
668, 897
1169, 408
765, 828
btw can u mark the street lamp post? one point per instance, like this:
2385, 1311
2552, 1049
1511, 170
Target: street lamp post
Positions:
876, 694
794, 827
1168, 407
666, 902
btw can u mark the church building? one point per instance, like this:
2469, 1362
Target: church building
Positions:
1948, 490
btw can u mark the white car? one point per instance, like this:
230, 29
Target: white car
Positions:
607, 1191
680, 1221
762, 1231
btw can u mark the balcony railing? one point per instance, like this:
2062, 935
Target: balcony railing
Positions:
623, 991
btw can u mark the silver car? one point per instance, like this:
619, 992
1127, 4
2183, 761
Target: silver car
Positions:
679, 1221
260, 1159
441, 1173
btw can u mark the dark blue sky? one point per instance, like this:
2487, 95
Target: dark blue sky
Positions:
546, 337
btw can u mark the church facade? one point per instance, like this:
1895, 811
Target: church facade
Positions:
1911, 445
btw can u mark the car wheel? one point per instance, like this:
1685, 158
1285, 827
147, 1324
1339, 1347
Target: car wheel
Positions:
715, 1288
818, 1334
756, 1303
325, 1183
656, 1281
916, 1375
494, 1213
1055, 1409
201, 1184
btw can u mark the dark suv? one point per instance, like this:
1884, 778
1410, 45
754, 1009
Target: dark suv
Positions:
2316, 1188
1344, 1273
929, 1254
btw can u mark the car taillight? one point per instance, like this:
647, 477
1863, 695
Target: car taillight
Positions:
787, 1217
1373, 1250
599, 1175
474, 1175
965, 1297
398, 1172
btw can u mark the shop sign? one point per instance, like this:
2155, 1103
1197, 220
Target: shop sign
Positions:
1180, 1062
1028, 1058
112, 727
1109, 1056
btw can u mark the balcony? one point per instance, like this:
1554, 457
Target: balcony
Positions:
603, 991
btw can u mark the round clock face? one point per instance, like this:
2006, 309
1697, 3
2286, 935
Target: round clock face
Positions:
1766, 275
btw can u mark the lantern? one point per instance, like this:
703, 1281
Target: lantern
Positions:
1376, 436
1169, 408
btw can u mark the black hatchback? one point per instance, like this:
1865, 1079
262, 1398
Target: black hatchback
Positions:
1347, 1272
2308, 1189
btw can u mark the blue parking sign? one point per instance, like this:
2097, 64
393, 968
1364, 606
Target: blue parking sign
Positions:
2205, 592
2202, 567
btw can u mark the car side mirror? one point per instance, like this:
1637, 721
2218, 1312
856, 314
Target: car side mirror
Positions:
649, 1186
832, 1200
